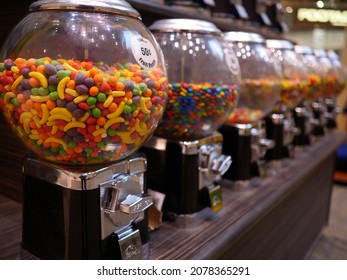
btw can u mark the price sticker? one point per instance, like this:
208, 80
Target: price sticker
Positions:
262, 169
215, 195
144, 52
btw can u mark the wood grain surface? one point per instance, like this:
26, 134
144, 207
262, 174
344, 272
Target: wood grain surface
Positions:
277, 218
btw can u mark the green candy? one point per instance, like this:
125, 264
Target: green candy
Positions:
176, 109
100, 144
63, 73
122, 80
143, 87
52, 88
111, 132
34, 91
53, 95
39, 61
91, 100
15, 102
136, 90
127, 109
55, 149
96, 112
88, 150
101, 97
62, 152
71, 144
43, 91
146, 118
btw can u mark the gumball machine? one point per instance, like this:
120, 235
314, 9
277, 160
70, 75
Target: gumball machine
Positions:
244, 131
185, 159
312, 110
293, 82
83, 85
332, 108
331, 87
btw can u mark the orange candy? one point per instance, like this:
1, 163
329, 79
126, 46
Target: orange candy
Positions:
50, 104
101, 120
93, 91
94, 71
113, 107
119, 86
71, 84
33, 82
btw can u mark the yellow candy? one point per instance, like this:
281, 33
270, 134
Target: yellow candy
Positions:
17, 82
67, 66
118, 111
80, 98
40, 77
143, 105
45, 114
118, 93
26, 116
113, 121
74, 124
108, 101
99, 131
61, 111
61, 87
8, 96
72, 92
59, 117
56, 140
39, 98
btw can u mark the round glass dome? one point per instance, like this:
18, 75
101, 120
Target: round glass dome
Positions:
204, 77
339, 70
261, 77
82, 82
294, 75
313, 88
331, 86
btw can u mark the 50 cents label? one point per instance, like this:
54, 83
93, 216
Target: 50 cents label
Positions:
144, 52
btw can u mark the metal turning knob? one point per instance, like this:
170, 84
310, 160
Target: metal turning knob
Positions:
135, 204
221, 164
266, 143
314, 122
296, 131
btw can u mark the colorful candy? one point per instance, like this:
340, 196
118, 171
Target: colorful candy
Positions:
80, 112
257, 98
322, 87
244, 115
194, 111
312, 89
292, 93
332, 86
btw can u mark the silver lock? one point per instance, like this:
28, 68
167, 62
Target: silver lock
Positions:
289, 130
212, 164
122, 202
260, 144
221, 165
122, 197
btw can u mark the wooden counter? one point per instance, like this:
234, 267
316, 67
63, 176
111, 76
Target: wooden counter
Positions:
278, 218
